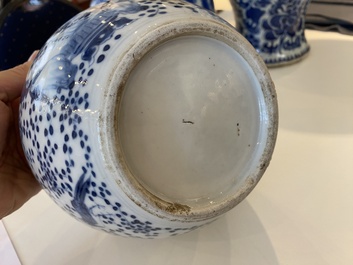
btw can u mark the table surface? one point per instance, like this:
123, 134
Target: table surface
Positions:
300, 213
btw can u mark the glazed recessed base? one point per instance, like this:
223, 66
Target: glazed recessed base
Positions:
189, 121
193, 121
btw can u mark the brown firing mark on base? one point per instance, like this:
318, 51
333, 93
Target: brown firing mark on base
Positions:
173, 208
188, 122
177, 208
263, 166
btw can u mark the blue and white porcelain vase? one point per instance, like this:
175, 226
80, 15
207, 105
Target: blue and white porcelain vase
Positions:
148, 118
274, 27
207, 4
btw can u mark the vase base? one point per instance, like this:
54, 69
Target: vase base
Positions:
189, 120
278, 60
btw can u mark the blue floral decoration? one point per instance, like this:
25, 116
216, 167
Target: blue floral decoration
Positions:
274, 27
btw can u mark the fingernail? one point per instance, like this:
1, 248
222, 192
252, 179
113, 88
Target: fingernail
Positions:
33, 56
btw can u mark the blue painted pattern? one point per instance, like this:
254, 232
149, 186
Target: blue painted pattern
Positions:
273, 27
207, 4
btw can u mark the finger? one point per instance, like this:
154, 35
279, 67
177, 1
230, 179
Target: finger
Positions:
12, 80
15, 111
4, 122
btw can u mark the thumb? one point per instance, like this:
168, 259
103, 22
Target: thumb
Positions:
12, 80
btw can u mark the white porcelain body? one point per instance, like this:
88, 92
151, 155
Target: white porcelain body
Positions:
148, 118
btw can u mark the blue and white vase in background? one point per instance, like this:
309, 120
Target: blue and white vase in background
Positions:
148, 118
274, 27
207, 4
